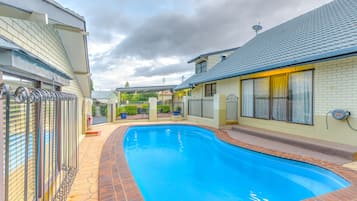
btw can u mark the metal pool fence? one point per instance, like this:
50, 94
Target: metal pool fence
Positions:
201, 107
39, 143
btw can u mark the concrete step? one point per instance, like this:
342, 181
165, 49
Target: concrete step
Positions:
335, 149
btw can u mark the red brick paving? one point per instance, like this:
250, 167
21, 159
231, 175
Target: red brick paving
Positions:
117, 183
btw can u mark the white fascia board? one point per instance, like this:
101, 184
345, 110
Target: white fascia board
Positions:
55, 12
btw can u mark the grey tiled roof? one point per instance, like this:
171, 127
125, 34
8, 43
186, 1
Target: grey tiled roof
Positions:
146, 88
325, 32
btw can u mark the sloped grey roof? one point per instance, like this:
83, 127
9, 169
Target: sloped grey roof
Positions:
325, 32
146, 88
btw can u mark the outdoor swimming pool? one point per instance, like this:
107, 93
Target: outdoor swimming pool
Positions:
180, 162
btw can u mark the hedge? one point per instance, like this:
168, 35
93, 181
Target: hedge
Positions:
94, 110
130, 109
103, 110
163, 108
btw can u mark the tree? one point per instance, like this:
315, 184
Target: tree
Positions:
126, 84
91, 85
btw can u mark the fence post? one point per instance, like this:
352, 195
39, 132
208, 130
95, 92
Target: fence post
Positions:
152, 109
219, 110
185, 106
201, 107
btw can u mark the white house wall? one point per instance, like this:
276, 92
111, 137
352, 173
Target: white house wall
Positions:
44, 42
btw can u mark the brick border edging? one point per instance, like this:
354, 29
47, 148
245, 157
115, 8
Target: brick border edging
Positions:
115, 181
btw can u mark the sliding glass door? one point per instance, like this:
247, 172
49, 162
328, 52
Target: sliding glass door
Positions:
283, 97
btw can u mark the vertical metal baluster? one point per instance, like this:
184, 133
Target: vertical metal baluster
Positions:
39, 128
7, 148
61, 144
73, 134
68, 145
53, 172
44, 149
56, 144
27, 136
76, 125
49, 150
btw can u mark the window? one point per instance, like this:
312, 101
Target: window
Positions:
285, 97
210, 89
248, 98
256, 98
279, 97
201, 67
261, 98
300, 97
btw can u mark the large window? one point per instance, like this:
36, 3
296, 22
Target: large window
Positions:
300, 97
210, 89
201, 67
285, 97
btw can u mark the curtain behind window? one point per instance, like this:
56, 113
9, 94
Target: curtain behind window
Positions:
300, 89
279, 85
247, 102
261, 96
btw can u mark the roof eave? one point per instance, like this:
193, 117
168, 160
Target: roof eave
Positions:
307, 60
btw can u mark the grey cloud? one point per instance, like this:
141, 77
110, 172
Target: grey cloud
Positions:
162, 70
214, 25
185, 29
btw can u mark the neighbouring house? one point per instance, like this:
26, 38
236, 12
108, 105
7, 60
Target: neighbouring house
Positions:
202, 63
289, 78
164, 94
45, 98
104, 106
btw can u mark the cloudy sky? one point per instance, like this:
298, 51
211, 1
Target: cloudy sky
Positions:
148, 42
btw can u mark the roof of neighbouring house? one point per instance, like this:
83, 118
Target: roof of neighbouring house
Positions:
212, 53
146, 88
326, 32
103, 95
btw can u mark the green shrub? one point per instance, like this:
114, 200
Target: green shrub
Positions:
103, 110
94, 108
178, 108
131, 109
163, 108
119, 110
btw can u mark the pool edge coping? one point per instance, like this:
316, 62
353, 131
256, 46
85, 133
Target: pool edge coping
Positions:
115, 181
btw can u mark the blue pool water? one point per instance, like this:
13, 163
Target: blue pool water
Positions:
188, 163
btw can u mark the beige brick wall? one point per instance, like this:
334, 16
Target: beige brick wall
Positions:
336, 86
44, 42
